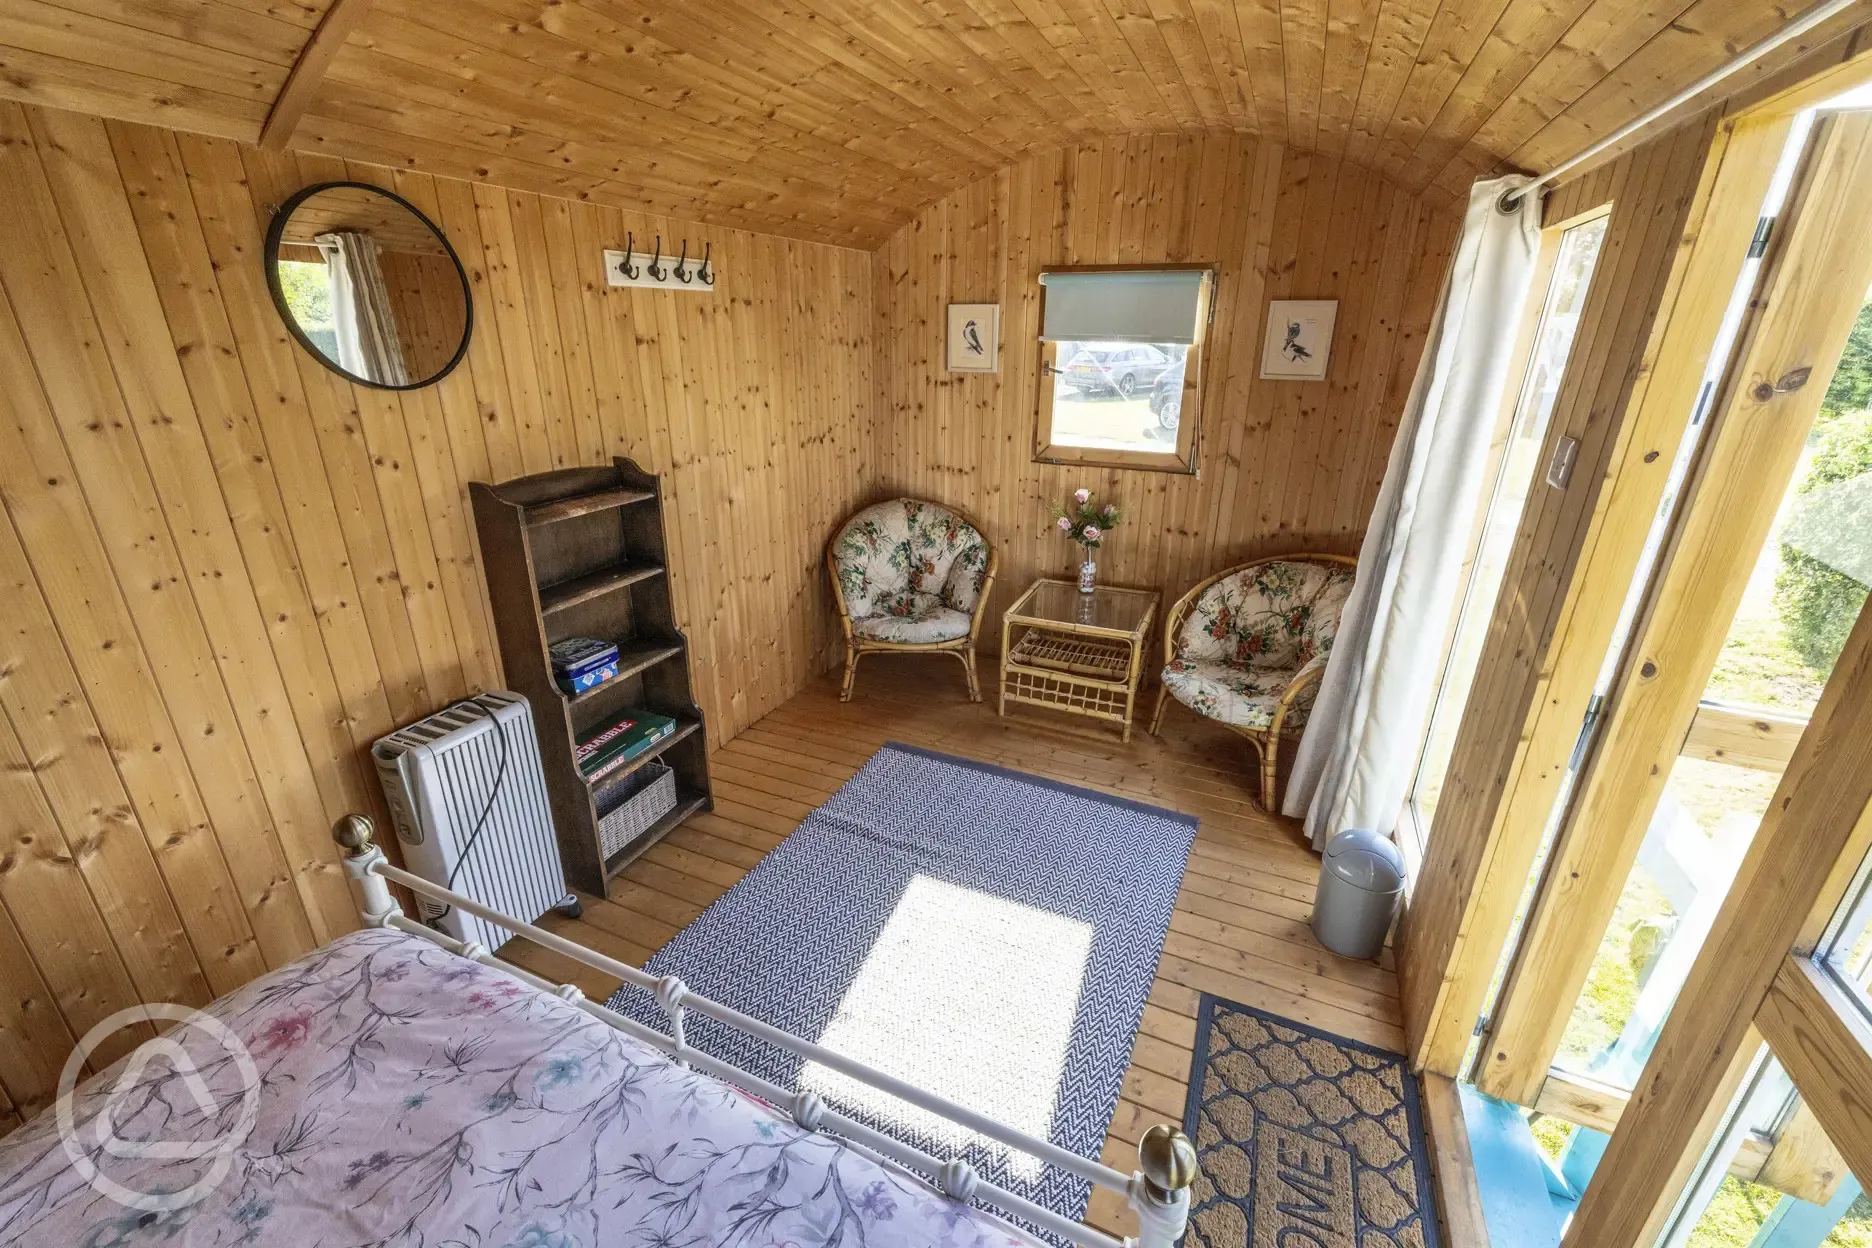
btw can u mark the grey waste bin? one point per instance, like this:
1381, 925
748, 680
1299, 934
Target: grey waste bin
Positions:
1361, 878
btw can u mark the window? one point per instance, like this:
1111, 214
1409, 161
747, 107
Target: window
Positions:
1120, 380
1572, 251
1847, 949
306, 284
1772, 1178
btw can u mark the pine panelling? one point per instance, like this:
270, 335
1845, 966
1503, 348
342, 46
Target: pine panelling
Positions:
840, 120
1284, 466
226, 571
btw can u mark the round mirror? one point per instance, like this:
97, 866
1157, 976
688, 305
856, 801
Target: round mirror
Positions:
368, 285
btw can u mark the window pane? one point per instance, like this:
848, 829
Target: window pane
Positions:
1116, 396
1847, 948
1703, 826
1820, 561
1566, 295
1726, 1208
307, 288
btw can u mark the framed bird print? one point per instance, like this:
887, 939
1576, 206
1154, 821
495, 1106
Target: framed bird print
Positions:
1299, 339
974, 337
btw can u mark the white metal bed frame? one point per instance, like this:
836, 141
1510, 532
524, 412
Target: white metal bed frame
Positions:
1158, 1192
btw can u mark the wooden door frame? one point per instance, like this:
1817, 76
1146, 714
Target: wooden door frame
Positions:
1813, 284
1555, 619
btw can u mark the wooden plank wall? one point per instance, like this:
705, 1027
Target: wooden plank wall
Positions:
224, 571
1285, 466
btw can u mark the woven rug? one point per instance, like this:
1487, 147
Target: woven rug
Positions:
1303, 1138
987, 935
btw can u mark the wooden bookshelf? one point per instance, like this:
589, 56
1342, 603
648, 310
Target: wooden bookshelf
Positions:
581, 553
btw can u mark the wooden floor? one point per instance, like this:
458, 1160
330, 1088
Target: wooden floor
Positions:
1240, 926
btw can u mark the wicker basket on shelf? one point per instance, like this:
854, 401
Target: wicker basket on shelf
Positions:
646, 796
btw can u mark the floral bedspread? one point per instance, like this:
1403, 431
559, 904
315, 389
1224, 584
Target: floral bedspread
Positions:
410, 1097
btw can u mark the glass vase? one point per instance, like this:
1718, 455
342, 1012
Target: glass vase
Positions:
1088, 576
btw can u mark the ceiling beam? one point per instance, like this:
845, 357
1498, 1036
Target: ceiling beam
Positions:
309, 70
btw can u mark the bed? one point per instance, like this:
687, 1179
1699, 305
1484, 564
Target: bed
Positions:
396, 1087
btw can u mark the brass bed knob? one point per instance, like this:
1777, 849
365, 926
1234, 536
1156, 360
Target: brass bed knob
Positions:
356, 834
1168, 1161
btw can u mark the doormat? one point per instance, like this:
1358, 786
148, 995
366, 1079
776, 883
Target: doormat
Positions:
1303, 1137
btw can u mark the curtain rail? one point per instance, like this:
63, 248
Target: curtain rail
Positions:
1748, 56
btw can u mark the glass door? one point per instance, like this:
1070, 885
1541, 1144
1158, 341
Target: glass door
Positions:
1752, 576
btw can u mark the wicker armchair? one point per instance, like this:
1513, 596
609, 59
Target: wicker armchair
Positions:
910, 577
1247, 647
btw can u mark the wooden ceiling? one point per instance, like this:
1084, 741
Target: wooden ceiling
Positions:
836, 120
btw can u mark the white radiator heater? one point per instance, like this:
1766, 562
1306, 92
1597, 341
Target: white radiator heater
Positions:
468, 797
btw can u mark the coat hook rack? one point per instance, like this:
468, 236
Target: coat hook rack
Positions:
631, 267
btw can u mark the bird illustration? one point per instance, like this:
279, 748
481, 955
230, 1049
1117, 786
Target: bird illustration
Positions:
971, 338
1292, 348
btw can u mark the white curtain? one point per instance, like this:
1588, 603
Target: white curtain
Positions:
368, 345
1366, 730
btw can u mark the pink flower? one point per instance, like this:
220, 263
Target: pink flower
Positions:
1090, 532
283, 1034
1065, 524
1082, 497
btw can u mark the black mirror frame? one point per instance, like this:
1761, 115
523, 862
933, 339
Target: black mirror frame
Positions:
276, 232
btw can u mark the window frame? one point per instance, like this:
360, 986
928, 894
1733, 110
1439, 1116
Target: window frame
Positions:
1183, 459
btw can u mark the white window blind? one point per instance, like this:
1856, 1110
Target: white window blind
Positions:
1129, 305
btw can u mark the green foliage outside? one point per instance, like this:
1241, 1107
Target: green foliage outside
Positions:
1552, 1134
308, 293
1817, 603
1851, 390
1739, 1209
1605, 1004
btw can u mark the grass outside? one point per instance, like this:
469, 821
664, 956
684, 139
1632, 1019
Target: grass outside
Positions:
1739, 1208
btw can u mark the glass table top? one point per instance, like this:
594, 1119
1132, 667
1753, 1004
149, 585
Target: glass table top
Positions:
1108, 607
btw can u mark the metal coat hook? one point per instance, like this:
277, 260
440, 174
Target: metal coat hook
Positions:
630, 244
682, 263
702, 270
659, 274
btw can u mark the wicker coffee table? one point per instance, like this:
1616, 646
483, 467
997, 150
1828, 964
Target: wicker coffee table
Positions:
1081, 653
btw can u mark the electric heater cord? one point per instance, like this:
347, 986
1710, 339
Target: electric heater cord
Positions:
500, 778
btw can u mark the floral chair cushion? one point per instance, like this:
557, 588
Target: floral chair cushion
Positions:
914, 563
1243, 696
914, 619
1274, 617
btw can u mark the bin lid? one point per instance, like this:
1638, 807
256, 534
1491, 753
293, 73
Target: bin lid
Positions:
1366, 860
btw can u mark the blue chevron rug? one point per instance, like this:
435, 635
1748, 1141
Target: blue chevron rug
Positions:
984, 934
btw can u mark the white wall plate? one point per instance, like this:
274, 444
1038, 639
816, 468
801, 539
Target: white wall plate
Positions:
640, 261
